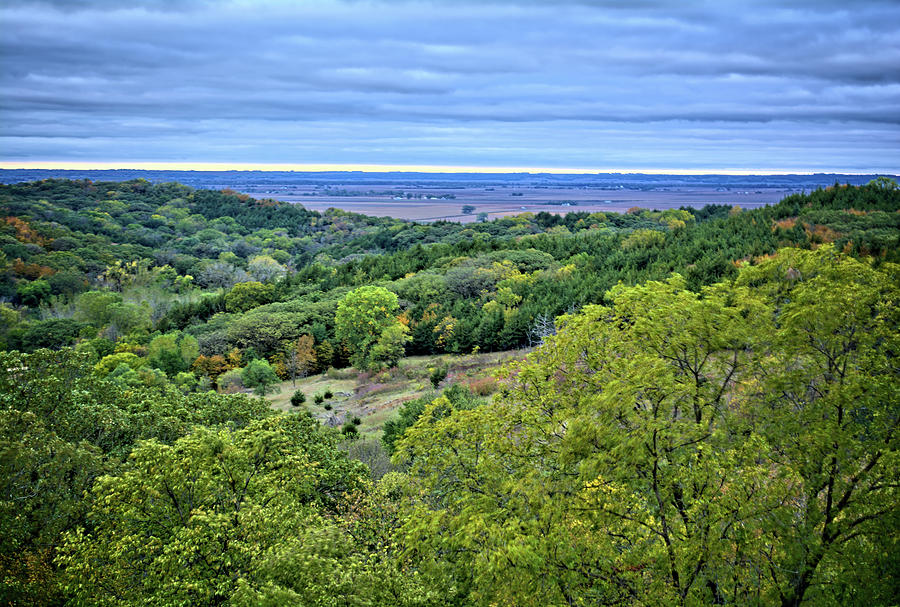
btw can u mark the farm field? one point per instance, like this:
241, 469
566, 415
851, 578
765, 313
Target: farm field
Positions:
502, 200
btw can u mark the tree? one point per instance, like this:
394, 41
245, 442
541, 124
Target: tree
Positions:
43, 479
260, 376
736, 446
828, 407
301, 357
246, 295
196, 522
33, 293
263, 268
468, 209
163, 353
438, 374
366, 322
390, 347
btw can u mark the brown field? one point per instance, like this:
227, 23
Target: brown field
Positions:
498, 201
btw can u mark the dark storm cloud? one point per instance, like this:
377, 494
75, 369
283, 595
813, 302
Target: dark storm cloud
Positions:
570, 83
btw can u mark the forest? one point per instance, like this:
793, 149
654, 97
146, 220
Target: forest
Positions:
707, 413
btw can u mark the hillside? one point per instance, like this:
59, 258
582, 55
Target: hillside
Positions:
692, 406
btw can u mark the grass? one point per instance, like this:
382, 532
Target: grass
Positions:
376, 397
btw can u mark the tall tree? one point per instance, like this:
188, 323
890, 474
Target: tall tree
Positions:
366, 322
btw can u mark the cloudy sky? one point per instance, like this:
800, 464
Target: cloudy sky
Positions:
619, 85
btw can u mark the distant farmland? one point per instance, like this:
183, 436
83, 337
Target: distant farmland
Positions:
432, 204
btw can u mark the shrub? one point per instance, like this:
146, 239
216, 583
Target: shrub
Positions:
230, 381
328, 406
328, 394
298, 398
347, 373
350, 430
484, 386
319, 399
438, 374
356, 421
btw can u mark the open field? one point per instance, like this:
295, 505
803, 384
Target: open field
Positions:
432, 203
375, 398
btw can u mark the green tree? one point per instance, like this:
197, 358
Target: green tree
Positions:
259, 376
33, 293
827, 405
390, 347
43, 479
736, 446
246, 295
366, 322
95, 307
199, 520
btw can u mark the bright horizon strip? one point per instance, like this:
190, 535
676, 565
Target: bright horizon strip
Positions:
390, 168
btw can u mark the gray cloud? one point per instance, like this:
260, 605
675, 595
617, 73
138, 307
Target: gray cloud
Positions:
571, 83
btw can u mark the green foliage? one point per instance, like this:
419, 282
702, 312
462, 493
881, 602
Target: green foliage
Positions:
327, 394
109, 363
438, 374
43, 479
214, 506
724, 435
61, 428
366, 322
259, 376
247, 295
456, 397
33, 293
298, 398
666, 448
319, 398
52, 333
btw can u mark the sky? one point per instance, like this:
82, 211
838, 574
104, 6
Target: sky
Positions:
639, 85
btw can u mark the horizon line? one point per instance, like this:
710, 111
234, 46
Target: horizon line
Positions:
394, 168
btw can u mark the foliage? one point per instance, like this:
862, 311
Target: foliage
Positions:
365, 320
298, 398
723, 432
259, 376
676, 448
438, 374
210, 510
61, 427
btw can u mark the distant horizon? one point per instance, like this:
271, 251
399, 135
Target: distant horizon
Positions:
401, 168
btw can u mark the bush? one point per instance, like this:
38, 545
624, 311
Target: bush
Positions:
484, 386
349, 430
328, 394
328, 406
356, 421
230, 381
298, 398
319, 399
348, 373
438, 374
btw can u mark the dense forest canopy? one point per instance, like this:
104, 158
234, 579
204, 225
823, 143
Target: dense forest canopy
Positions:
709, 414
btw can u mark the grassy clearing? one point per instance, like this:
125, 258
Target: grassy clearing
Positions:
375, 397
